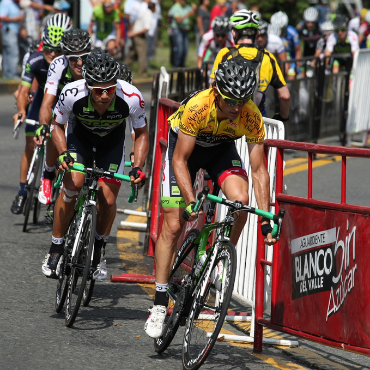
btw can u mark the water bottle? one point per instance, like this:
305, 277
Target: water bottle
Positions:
199, 265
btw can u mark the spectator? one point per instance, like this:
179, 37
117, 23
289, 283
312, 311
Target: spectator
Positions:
153, 31
324, 11
218, 9
180, 26
108, 26
232, 8
138, 34
11, 17
203, 17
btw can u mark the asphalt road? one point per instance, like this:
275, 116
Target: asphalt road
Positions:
109, 333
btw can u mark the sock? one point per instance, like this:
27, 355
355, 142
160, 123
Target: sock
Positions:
22, 189
105, 238
57, 245
161, 297
98, 244
49, 172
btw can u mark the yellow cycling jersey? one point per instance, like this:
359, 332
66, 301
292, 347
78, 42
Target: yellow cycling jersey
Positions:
270, 72
197, 116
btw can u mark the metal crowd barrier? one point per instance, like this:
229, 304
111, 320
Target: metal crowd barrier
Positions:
316, 268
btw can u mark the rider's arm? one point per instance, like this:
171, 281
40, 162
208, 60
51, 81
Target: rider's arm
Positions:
141, 146
298, 52
46, 108
59, 137
22, 100
184, 147
284, 100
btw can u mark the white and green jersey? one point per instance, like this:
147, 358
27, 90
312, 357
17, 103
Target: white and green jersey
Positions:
75, 99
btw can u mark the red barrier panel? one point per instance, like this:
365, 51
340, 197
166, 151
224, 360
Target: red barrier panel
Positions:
320, 266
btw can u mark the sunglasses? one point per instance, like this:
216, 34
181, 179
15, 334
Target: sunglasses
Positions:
49, 50
342, 30
232, 102
101, 90
220, 36
76, 58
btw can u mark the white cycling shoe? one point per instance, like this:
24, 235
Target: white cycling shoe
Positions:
154, 325
101, 271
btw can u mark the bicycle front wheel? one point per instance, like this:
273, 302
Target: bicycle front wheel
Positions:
81, 265
32, 190
209, 307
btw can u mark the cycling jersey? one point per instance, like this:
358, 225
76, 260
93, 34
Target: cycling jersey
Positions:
75, 98
36, 67
334, 45
365, 32
321, 44
104, 22
197, 116
209, 48
309, 37
291, 41
275, 44
270, 72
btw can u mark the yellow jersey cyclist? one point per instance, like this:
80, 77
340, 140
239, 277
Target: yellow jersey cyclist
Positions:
202, 135
96, 109
245, 25
36, 68
76, 46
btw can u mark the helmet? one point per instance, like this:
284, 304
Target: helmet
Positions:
75, 41
243, 19
367, 17
257, 13
220, 25
327, 26
108, 2
124, 73
274, 30
279, 19
311, 14
33, 45
235, 77
52, 36
363, 12
60, 20
263, 27
340, 22
100, 67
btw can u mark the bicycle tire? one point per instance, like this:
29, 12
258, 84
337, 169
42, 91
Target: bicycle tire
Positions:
88, 291
65, 268
36, 175
81, 266
36, 211
197, 345
172, 321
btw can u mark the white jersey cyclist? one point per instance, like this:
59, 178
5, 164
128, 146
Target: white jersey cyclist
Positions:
275, 44
209, 48
333, 45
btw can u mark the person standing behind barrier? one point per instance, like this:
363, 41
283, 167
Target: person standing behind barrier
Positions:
341, 41
290, 37
202, 135
138, 34
214, 40
11, 18
203, 17
180, 27
324, 11
219, 9
244, 25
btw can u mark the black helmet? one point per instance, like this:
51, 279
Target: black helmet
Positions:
220, 25
340, 22
76, 41
100, 67
124, 73
235, 77
263, 27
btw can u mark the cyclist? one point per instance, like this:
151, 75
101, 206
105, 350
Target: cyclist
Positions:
202, 135
341, 41
97, 107
327, 29
107, 21
309, 31
290, 38
364, 32
245, 29
218, 37
76, 46
37, 67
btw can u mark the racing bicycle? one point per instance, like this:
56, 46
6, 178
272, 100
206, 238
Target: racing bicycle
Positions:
200, 292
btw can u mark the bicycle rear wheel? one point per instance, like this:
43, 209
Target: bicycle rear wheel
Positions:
65, 268
31, 187
209, 307
81, 265
178, 286
36, 210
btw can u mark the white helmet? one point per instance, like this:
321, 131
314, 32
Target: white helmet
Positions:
60, 20
273, 30
279, 19
327, 26
311, 14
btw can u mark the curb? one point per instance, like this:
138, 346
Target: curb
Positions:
8, 87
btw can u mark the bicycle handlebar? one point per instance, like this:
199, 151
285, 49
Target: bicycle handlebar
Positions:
100, 172
277, 219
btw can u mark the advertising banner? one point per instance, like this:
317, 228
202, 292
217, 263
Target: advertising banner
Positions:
324, 274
